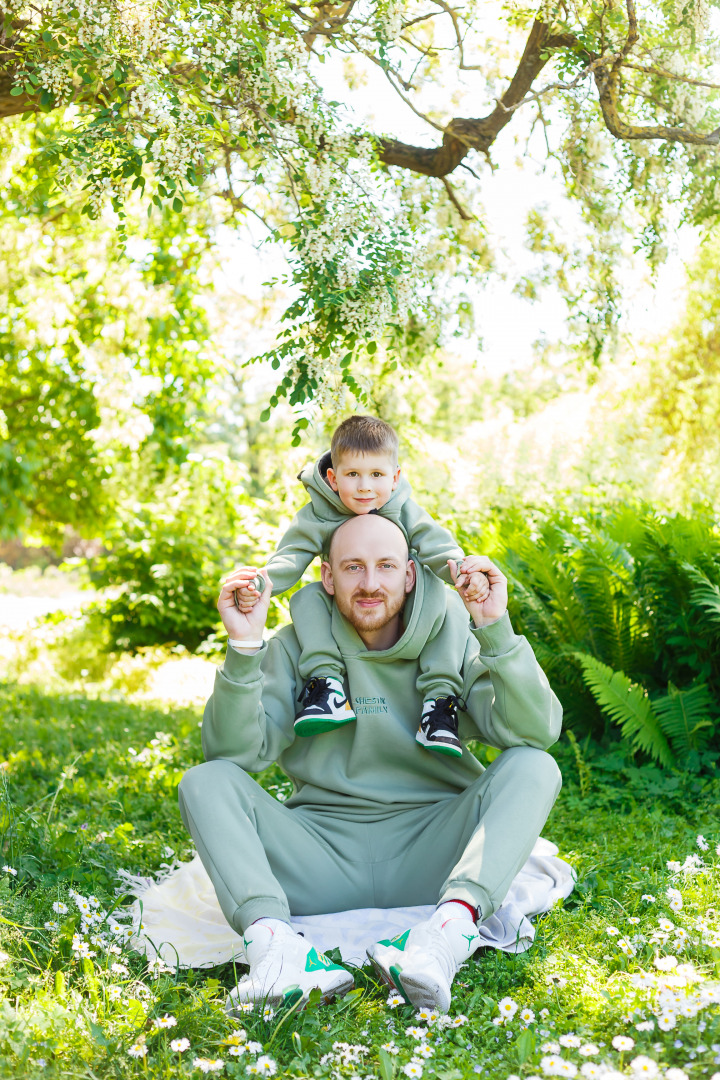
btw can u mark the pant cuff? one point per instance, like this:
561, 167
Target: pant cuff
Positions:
441, 690
260, 907
471, 894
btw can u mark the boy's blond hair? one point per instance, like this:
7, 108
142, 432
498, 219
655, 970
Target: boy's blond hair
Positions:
364, 435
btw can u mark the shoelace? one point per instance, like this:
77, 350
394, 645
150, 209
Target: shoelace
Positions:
443, 713
313, 692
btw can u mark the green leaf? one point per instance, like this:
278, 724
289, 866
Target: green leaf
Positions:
628, 705
525, 1045
47, 36
16, 91
684, 717
387, 1065
177, 205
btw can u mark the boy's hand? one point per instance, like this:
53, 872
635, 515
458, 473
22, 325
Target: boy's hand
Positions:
477, 588
240, 624
247, 597
494, 605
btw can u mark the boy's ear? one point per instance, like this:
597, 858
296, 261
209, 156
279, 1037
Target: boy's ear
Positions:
332, 479
396, 478
326, 577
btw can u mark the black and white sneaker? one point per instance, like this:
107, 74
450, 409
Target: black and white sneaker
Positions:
324, 707
439, 727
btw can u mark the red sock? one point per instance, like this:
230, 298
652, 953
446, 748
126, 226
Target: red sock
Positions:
473, 912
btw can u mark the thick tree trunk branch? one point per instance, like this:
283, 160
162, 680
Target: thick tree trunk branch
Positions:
465, 134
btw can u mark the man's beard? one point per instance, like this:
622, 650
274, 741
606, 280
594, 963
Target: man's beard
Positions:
374, 619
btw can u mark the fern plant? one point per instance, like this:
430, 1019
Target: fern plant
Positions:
621, 605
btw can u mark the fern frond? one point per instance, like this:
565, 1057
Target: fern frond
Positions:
683, 716
706, 594
628, 705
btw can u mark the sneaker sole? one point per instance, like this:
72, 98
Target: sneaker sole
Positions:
318, 725
293, 995
425, 994
439, 748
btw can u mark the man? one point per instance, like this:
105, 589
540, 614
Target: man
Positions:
374, 821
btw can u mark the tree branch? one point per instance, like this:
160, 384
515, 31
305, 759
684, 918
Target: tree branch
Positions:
463, 134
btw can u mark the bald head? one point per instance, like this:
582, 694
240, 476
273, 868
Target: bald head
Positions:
358, 531
369, 574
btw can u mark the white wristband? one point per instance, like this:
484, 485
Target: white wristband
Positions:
236, 644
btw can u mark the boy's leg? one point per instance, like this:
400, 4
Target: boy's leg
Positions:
325, 705
440, 681
263, 859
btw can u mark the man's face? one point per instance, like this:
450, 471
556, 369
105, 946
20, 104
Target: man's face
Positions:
369, 573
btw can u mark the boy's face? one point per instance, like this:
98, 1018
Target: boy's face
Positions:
364, 482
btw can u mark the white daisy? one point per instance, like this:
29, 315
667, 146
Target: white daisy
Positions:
394, 1000
527, 1016
59, 908
10, 870
666, 1021
413, 1068
623, 1042
138, 1050
507, 1008
266, 1066
179, 1046
702, 843
164, 1021
588, 1050
570, 1041
612, 930
644, 1066
648, 898
207, 1065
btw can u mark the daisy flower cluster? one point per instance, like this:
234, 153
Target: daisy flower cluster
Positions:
98, 931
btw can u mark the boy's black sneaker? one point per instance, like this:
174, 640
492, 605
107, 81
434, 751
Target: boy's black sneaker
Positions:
324, 707
439, 727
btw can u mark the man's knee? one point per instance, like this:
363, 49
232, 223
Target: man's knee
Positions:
534, 769
208, 777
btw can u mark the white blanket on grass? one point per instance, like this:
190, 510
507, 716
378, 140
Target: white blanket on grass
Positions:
182, 922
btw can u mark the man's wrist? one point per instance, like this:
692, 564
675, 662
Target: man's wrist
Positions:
245, 645
481, 623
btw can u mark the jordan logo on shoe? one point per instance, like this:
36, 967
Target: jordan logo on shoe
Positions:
319, 961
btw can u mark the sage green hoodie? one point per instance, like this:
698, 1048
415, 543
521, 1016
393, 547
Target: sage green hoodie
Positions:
373, 768
308, 535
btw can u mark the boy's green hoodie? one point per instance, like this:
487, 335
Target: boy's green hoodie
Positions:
374, 767
308, 535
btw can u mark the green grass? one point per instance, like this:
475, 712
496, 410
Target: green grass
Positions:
88, 787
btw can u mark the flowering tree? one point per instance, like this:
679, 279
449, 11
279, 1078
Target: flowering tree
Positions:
225, 97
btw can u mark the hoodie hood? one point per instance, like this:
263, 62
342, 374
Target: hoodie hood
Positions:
423, 615
328, 505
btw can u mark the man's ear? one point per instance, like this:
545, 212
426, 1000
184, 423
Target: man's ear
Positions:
326, 577
332, 479
410, 576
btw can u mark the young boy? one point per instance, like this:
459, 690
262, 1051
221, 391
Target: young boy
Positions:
361, 475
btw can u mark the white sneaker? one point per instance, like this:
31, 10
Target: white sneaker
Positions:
421, 963
284, 967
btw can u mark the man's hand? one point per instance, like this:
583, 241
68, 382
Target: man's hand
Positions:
493, 605
247, 626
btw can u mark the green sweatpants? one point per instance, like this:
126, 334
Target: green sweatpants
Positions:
440, 659
266, 859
